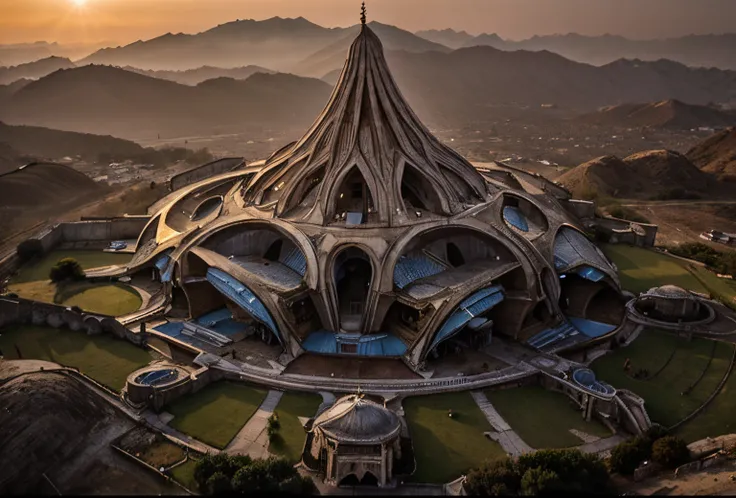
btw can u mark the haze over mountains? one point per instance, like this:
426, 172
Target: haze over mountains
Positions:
671, 114
692, 50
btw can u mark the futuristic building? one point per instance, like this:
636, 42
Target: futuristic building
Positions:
370, 237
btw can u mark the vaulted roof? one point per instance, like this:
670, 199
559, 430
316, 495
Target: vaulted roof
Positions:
367, 125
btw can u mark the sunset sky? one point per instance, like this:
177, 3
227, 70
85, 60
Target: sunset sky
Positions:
124, 21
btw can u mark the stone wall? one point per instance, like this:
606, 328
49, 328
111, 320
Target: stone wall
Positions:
24, 311
608, 225
205, 171
581, 209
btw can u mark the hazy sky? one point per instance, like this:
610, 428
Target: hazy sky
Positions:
124, 21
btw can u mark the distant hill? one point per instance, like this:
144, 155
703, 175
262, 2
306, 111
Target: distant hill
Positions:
9, 158
645, 175
671, 114
204, 73
44, 184
275, 43
332, 57
103, 99
289, 45
37, 143
466, 84
693, 50
717, 155
33, 70
447, 37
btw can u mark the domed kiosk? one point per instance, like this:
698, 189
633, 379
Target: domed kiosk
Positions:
369, 237
673, 304
356, 440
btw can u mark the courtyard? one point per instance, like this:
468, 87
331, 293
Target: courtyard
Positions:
681, 375
104, 358
542, 418
445, 448
289, 441
215, 414
32, 282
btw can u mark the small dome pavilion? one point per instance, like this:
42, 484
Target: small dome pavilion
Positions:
669, 303
354, 437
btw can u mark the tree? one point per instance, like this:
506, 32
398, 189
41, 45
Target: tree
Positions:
494, 478
29, 249
66, 269
272, 427
218, 484
627, 456
540, 482
670, 452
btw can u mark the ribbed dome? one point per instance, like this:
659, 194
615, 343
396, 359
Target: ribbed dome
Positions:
366, 127
354, 419
670, 291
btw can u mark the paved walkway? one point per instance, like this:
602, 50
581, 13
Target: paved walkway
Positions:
253, 439
504, 435
602, 445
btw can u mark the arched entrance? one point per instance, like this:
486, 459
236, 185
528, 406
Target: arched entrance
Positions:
353, 273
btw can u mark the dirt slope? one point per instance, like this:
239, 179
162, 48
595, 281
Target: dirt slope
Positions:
671, 114
717, 155
644, 175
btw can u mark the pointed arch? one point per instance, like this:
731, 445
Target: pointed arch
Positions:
354, 190
417, 191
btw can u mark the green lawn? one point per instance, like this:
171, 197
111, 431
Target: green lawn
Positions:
718, 287
662, 394
108, 299
39, 270
290, 440
104, 358
216, 414
444, 447
543, 418
717, 418
641, 269
184, 474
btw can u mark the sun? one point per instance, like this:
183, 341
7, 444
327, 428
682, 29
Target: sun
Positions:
79, 3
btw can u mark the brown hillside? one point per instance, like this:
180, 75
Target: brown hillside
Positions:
40, 184
717, 155
44, 422
644, 175
671, 114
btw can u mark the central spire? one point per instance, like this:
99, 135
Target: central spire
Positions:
367, 159
362, 14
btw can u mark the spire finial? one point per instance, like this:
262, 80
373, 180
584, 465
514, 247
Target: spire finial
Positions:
362, 13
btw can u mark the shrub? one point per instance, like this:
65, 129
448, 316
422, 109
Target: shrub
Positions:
247, 476
29, 249
670, 452
66, 269
218, 484
540, 482
494, 478
545, 471
627, 456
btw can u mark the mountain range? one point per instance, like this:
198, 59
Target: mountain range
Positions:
692, 50
105, 99
33, 70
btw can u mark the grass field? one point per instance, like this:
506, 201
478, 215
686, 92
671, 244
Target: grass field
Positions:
641, 269
444, 447
32, 282
108, 299
184, 474
543, 418
39, 270
104, 358
665, 402
290, 440
718, 287
216, 414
